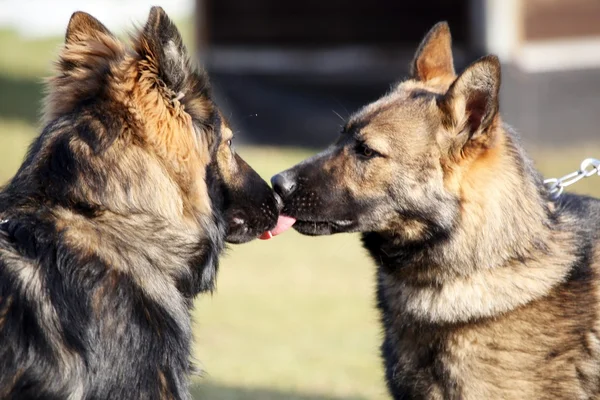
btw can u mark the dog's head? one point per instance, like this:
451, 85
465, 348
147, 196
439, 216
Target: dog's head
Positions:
143, 134
400, 163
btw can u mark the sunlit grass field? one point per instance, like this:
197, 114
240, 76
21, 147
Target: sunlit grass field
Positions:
293, 318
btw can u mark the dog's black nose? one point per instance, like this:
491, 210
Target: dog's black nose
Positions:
283, 184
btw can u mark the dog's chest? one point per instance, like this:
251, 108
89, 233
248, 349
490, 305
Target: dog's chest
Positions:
433, 363
451, 365
535, 352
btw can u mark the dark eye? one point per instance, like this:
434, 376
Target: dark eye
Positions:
229, 143
365, 151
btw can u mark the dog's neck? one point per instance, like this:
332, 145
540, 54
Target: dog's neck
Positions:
168, 259
505, 250
182, 255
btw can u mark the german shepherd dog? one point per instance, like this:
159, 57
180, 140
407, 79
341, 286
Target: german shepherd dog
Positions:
116, 220
487, 288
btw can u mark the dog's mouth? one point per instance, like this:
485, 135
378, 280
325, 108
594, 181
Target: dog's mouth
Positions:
317, 228
243, 227
311, 227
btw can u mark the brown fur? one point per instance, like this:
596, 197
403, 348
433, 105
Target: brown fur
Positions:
116, 220
487, 288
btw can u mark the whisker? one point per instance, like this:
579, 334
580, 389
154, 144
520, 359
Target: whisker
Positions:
341, 104
336, 113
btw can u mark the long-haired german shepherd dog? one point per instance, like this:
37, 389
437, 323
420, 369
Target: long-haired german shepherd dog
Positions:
116, 220
487, 288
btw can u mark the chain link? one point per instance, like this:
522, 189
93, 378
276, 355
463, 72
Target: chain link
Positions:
555, 186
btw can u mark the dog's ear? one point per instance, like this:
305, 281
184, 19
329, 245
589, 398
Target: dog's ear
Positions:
83, 27
433, 58
160, 44
471, 103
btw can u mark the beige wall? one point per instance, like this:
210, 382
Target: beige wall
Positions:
558, 19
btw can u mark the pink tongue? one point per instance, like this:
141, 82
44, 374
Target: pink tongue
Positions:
283, 224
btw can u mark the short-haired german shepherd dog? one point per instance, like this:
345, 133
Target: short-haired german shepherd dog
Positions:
116, 220
487, 288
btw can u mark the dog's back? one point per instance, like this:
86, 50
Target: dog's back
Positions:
585, 209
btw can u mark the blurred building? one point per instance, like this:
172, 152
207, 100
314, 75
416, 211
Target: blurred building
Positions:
287, 71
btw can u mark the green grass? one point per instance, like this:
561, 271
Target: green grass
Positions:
298, 310
293, 318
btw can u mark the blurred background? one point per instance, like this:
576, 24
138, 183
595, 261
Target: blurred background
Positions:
294, 317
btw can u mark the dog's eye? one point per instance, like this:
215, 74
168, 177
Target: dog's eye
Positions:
230, 141
365, 151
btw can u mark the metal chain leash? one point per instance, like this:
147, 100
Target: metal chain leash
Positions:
555, 186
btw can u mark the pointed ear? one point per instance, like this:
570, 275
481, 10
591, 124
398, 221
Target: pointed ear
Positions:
82, 27
471, 103
161, 45
434, 55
